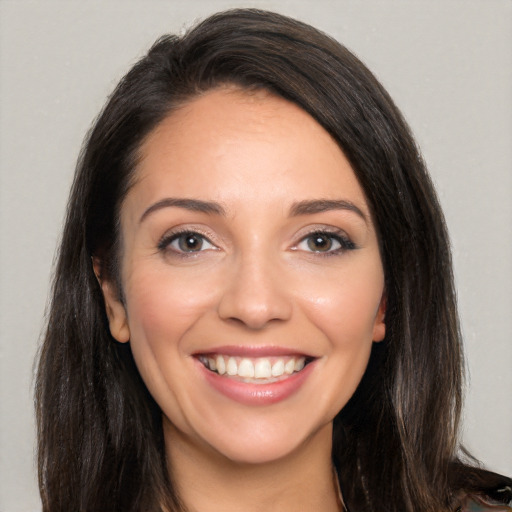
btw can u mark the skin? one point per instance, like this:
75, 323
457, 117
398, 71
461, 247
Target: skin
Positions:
255, 278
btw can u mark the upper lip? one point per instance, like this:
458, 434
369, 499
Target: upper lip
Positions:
253, 351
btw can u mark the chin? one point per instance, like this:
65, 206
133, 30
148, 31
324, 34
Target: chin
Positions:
271, 444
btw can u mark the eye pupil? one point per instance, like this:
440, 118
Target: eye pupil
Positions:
190, 242
320, 243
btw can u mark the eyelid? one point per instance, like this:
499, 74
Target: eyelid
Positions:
173, 234
321, 228
340, 235
306, 239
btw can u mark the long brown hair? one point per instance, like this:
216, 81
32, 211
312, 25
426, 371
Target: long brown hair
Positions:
395, 443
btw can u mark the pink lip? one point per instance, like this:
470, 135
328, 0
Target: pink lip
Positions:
256, 394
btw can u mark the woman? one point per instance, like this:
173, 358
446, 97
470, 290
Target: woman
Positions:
253, 305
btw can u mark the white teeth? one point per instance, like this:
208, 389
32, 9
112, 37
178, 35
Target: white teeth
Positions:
299, 364
257, 368
278, 368
289, 367
246, 368
221, 365
231, 367
263, 369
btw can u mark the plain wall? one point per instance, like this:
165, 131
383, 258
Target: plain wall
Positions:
447, 64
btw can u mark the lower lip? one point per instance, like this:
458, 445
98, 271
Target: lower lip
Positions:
257, 394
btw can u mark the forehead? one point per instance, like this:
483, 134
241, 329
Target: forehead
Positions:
235, 146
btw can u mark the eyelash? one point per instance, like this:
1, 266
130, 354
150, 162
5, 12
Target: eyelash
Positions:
345, 244
166, 241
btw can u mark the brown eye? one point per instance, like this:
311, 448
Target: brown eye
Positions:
190, 242
186, 242
320, 242
325, 242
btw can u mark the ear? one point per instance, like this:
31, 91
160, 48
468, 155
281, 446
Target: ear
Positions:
379, 326
116, 312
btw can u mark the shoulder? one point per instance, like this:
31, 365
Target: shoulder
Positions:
480, 503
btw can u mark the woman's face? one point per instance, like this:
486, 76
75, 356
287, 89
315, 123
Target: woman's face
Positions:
251, 274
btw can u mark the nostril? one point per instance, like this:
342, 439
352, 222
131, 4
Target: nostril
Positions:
254, 308
254, 320
254, 293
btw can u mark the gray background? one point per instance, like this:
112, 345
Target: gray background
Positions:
448, 65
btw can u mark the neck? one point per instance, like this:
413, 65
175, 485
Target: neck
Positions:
209, 482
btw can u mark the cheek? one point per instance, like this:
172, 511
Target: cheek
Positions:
159, 300
345, 304
343, 308
162, 308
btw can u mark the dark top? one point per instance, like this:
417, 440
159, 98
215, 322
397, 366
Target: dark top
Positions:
478, 503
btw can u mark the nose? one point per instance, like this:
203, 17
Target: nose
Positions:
255, 294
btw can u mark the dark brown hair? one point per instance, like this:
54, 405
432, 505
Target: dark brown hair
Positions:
395, 443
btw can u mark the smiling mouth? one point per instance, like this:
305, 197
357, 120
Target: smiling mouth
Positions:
257, 370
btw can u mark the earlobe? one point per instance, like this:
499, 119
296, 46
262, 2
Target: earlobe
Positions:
379, 326
115, 310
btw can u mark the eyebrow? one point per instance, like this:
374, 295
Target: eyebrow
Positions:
195, 205
325, 205
210, 207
